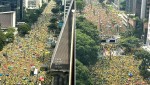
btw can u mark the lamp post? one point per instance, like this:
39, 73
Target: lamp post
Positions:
100, 26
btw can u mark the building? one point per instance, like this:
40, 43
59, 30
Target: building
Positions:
142, 8
7, 19
32, 4
4, 8
131, 6
148, 31
12, 5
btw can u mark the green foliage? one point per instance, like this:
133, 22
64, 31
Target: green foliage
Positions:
86, 49
62, 8
129, 43
9, 36
138, 30
53, 26
143, 68
2, 40
132, 32
128, 33
140, 54
55, 10
87, 42
11, 30
53, 20
80, 5
23, 29
82, 74
145, 57
58, 2
88, 28
32, 15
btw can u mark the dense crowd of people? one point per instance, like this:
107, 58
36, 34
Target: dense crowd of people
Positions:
22, 59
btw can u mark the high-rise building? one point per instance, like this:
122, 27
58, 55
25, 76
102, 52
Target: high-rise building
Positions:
32, 4
12, 5
148, 31
131, 6
142, 8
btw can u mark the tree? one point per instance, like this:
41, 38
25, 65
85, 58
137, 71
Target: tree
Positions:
145, 57
10, 37
53, 20
86, 49
11, 30
82, 74
2, 40
143, 68
55, 10
80, 5
141, 54
88, 28
129, 43
23, 29
53, 26
128, 33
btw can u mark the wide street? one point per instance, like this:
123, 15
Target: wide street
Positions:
26, 52
116, 70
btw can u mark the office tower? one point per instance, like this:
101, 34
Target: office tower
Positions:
32, 4
131, 6
148, 31
12, 5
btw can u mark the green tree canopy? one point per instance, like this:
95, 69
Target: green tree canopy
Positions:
55, 10
52, 26
9, 36
82, 74
80, 5
140, 54
129, 43
53, 20
11, 30
145, 57
86, 48
88, 28
23, 29
2, 40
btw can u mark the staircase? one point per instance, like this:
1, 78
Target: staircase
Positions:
66, 7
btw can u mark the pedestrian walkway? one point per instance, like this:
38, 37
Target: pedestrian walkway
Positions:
104, 18
26, 52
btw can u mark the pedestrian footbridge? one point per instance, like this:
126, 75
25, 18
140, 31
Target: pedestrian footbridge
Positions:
62, 63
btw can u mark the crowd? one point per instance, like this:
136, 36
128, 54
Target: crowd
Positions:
22, 59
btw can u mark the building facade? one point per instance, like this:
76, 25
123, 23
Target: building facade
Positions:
148, 31
8, 19
131, 6
12, 5
32, 4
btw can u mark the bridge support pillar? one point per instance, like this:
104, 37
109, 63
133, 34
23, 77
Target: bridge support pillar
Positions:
60, 79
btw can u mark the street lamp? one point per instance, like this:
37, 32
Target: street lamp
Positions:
101, 26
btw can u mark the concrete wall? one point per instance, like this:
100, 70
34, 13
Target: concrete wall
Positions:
8, 19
